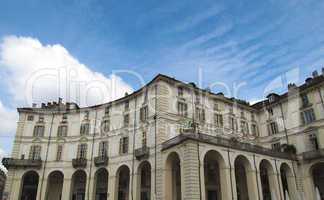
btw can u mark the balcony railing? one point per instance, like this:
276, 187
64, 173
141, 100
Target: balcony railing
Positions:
101, 161
21, 163
224, 142
142, 153
312, 155
79, 163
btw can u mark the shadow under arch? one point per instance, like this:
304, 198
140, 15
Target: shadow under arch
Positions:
268, 180
317, 174
242, 176
54, 185
122, 182
101, 184
172, 183
144, 185
29, 185
215, 181
78, 185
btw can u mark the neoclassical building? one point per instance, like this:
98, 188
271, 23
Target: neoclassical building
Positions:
171, 140
2, 182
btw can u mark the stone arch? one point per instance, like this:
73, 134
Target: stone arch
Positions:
122, 183
78, 185
54, 185
101, 184
244, 178
173, 185
317, 174
29, 185
288, 181
268, 180
214, 176
144, 185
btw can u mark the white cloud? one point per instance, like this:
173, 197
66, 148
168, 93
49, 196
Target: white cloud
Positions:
8, 118
35, 72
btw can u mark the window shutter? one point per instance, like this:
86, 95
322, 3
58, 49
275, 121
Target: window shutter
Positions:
79, 151
269, 129
126, 145
203, 114
142, 114
121, 146
31, 152
221, 120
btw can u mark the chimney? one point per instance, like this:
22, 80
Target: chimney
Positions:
291, 86
308, 80
315, 73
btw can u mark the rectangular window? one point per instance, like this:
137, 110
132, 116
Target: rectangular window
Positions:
197, 98
64, 117
233, 123
103, 149
313, 141
126, 120
252, 116
107, 110
105, 126
200, 114
41, 118
82, 151
146, 95
144, 139
86, 115
308, 116
85, 129
244, 127
218, 118
35, 152
180, 91
182, 109
231, 109
273, 128
62, 131
276, 146
216, 107
305, 101
126, 105
270, 111
59, 152
242, 114
144, 113
39, 131
123, 145
30, 118
254, 129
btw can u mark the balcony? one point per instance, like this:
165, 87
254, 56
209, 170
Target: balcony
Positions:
79, 163
142, 153
21, 163
101, 161
228, 143
312, 155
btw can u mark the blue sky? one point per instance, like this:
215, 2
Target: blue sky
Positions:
260, 45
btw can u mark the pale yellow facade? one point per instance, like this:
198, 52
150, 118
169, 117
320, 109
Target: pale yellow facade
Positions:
169, 141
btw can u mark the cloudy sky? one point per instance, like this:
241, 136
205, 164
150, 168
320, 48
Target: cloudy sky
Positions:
92, 51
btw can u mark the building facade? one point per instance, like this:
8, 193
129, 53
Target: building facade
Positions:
2, 182
171, 140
